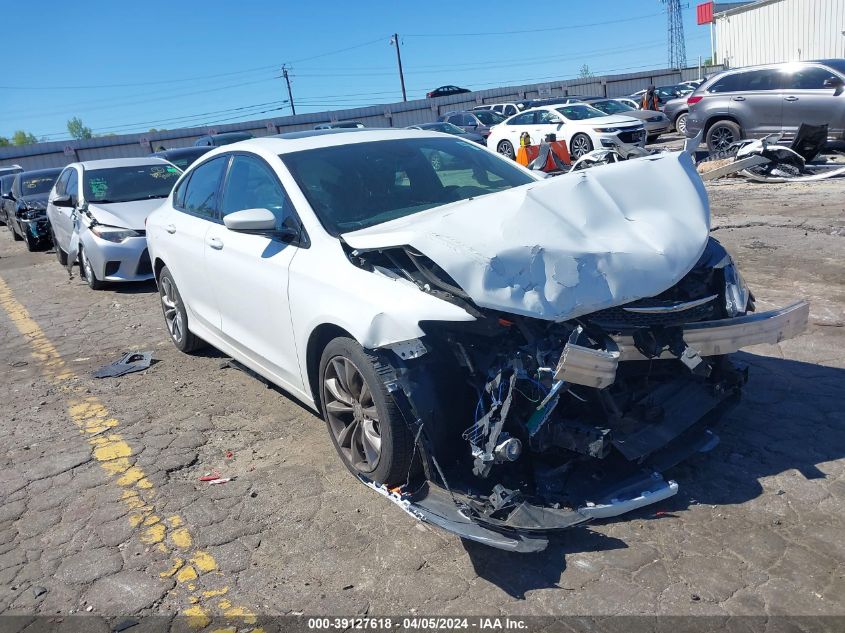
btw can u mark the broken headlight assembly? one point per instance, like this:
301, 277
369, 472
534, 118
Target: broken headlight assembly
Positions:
113, 234
737, 294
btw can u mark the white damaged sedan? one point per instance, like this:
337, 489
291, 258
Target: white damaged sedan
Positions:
499, 355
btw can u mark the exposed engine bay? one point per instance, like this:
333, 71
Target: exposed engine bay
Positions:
526, 425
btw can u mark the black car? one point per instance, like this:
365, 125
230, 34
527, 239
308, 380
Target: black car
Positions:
445, 91
216, 140
5, 187
182, 156
26, 207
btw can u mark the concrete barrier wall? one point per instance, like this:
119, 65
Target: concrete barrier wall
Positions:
400, 114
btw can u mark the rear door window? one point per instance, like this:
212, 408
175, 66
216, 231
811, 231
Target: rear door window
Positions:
72, 188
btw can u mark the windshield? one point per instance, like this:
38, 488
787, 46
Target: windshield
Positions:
580, 111
357, 185
34, 185
611, 107
488, 117
122, 184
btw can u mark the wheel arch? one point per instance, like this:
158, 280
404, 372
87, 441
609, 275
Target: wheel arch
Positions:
717, 118
158, 266
320, 336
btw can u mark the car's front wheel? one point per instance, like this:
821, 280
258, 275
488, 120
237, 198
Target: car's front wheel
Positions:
15, 235
506, 148
580, 145
60, 254
366, 427
175, 315
722, 134
88, 271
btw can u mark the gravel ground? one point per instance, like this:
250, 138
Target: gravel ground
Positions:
102, 511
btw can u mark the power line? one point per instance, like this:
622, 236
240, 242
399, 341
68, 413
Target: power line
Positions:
568, 27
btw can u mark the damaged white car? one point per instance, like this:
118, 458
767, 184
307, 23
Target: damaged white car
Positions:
498, 354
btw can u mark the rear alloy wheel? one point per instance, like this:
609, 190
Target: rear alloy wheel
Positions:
721, 135
681, 123
175, 315
88, 271
506, 149
366, 427
580, 145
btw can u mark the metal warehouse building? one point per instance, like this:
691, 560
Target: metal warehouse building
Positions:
768, 31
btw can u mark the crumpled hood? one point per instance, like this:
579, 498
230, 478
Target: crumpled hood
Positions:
569, 245
126, 215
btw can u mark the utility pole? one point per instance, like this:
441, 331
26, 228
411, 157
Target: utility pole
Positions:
290, 94
395, 41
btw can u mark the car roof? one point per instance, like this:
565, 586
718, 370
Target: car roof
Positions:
40, 172
314, 139
108, 163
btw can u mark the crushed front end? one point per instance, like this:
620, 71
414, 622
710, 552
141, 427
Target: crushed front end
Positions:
526, 425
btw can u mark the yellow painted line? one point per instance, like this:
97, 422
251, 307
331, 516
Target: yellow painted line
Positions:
116, 458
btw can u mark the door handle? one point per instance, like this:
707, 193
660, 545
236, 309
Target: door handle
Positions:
739, 98
215, 243
790, 98
170, 228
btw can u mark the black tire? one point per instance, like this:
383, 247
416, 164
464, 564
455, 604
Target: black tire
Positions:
396, 440
182, 337
87, 272
681, 123
580, 144
30, 245
722, 134
506, 149
60, 254
15, 235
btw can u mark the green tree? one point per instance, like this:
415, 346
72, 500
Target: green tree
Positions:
585, 72
23, 138
77, 129
4, 142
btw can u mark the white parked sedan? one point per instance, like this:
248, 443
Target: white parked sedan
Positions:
509, 354
97, 210
582, 127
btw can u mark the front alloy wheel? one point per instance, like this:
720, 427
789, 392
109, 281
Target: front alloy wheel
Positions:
367, 429
352, 414
581, 144
88, 271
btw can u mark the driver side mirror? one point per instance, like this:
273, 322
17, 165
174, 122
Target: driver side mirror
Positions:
258, 221
8, 196
834, 82
64, 201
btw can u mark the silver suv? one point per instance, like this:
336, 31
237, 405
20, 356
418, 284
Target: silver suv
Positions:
756, 101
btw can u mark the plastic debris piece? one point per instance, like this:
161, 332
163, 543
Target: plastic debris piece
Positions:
39, 591
127, 364
222, 480
210, 476
229, 454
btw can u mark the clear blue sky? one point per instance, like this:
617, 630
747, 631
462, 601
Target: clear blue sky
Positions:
129, 66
